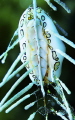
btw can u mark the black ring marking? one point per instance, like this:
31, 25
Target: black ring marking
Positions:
24, 45
24, 15
21, 22
22, 32
44, 24
24, 57
54, 56
42, 17
56, 65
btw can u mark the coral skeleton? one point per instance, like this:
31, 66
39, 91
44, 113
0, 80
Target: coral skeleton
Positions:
42, 53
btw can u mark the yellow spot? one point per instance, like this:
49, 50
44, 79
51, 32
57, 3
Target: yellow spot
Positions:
39, 10
56, 65
48, 91
30, 17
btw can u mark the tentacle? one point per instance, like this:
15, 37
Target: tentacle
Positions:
63, 85
14, 73
31, 117
38, 51
24, 90
60, 28
18, 102
4, 55
51, 5
13, 66
67, 41
62, 4
59, 113
30, 105
66, 56
59, 90
15, 85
